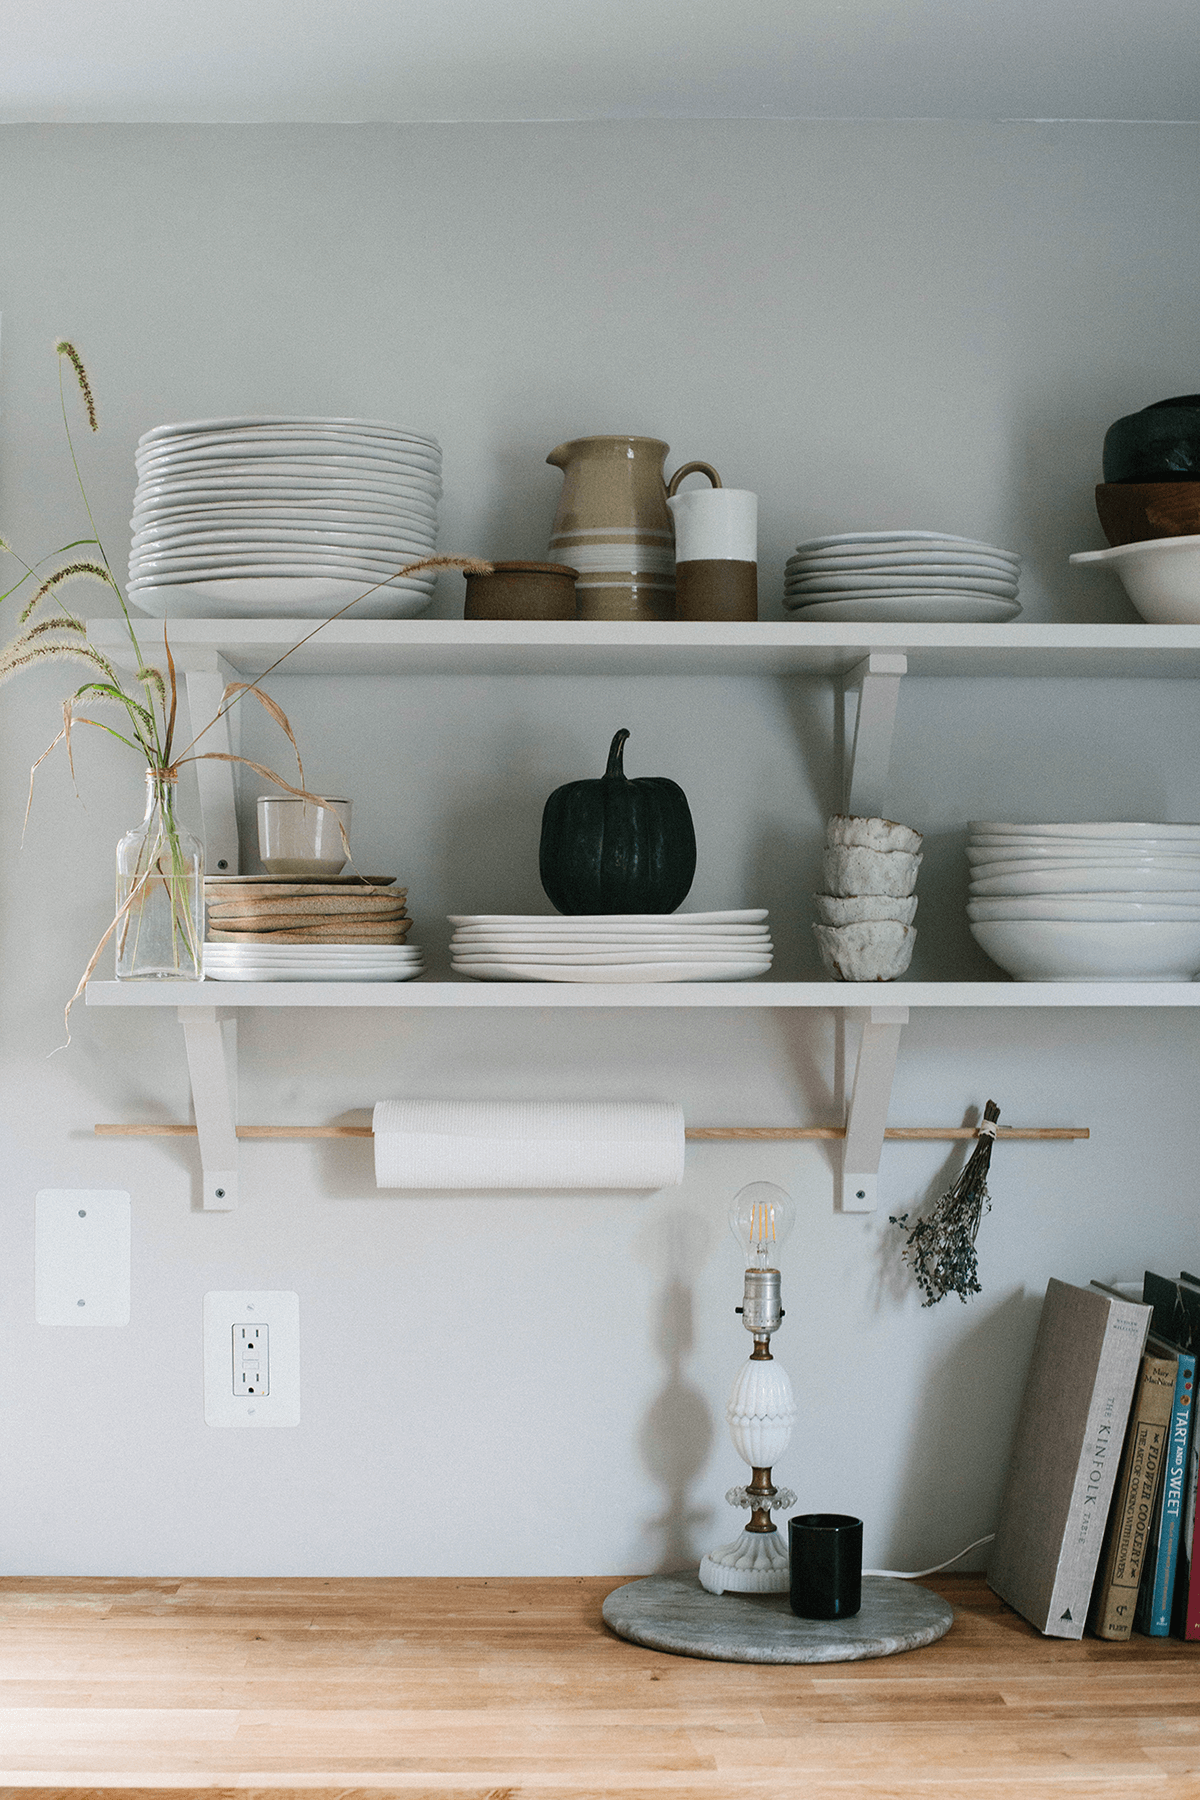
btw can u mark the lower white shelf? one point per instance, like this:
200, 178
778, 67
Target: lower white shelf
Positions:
432, 993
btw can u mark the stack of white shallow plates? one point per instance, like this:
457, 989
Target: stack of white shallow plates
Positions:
283, 518
914, 577
717, 946
1087, 902
312, 962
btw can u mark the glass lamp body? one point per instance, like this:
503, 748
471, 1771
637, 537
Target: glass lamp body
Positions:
160, 893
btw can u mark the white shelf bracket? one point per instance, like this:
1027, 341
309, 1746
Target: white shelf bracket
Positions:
870, 693
215, 779
866, 1116
210, 1036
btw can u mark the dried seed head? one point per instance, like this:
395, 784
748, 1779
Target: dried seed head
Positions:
64, 348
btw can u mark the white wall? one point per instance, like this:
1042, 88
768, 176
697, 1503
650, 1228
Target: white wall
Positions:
871, 325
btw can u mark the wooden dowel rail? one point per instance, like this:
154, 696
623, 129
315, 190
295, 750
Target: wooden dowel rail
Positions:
697, 1133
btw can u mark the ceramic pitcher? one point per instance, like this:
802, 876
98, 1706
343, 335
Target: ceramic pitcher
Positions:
613, 525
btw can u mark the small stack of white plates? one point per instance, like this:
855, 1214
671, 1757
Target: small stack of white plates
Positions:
912, 577
718, 946
312, 962
283, 518
1094, 901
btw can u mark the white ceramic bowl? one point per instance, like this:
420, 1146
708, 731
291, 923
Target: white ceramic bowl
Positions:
1062, 855
1086, 907
1087, 828
1102, 879
861, 909
1058, 950
1161, 576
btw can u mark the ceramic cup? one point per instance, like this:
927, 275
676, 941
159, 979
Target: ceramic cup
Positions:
716, 553
295, 837
522, 590
825, 1551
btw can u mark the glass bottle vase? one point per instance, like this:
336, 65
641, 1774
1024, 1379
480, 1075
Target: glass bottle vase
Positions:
160, 893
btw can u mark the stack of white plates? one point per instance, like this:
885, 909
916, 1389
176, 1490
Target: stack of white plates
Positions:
913, 577
312, 962
279, 517
1087, 902
718, 946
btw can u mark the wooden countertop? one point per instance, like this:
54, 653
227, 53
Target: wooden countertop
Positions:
494, 1689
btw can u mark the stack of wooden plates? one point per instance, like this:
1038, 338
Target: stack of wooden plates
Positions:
339, 928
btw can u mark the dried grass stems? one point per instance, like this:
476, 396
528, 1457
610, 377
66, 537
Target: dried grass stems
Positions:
149, 702
941, 1247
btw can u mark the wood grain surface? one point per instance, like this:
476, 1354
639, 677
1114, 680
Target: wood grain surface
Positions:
490, 1690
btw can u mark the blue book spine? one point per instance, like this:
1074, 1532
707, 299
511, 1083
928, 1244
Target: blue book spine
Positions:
1153, 1616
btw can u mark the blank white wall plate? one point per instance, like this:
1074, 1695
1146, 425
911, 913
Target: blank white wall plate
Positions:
248, 1306
81, 1257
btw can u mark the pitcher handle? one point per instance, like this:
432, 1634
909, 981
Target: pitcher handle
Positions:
693, 468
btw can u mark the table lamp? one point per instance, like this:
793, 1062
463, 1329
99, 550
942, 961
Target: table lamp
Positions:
761, 1410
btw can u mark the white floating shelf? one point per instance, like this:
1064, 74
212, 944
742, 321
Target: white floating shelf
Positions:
427, 993
486, 647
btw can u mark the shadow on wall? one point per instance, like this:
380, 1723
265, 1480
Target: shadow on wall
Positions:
967, 1417
677, 1431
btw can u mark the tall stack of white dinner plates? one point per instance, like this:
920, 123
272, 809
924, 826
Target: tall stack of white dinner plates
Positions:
312, 962
283, 518
716, 946
1091, 901
912, 577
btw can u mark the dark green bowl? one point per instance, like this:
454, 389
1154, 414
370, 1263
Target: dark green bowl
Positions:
1160, 443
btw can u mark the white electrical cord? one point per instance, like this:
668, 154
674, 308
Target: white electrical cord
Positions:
916, 1574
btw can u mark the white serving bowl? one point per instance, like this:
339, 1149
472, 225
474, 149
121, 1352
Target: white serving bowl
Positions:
1087, 828
1059, 950
1104, 878
1086, 907
1063, 856
1161, 576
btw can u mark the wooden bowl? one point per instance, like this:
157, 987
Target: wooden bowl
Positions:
1134, 512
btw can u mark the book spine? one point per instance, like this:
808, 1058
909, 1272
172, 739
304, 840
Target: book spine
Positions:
1153, 1615
1115, 1598
1095, 1480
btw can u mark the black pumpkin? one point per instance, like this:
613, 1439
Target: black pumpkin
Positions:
617, 846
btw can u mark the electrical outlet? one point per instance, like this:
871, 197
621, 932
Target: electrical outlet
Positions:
251, 1358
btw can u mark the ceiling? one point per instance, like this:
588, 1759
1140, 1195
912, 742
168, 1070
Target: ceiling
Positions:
79, 61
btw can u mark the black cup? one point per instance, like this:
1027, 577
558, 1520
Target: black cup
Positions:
826, 1565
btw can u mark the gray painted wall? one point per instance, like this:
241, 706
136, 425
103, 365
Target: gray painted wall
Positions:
871, 325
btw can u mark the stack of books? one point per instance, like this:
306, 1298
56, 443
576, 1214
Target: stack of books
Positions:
1096, 1520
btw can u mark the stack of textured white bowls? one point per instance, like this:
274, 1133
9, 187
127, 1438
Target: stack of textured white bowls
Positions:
908, 576
1093, 901
283, 517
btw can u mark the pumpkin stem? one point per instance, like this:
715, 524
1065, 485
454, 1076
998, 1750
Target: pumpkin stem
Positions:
615, 753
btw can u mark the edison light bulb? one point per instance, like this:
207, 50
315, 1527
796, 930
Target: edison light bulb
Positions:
761, 1218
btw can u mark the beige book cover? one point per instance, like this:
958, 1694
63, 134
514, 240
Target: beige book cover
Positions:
1114, 1600
1063, 1468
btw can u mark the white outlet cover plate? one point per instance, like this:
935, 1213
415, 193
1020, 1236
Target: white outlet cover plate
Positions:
81, 1257
281, 1312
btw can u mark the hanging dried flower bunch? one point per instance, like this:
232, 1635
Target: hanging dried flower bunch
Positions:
941, 1248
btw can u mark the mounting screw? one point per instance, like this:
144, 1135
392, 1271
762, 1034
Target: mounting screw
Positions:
220, 1193
861, 1194
223, 863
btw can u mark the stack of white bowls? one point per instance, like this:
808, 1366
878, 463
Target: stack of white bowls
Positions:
864, 928
1087, 902
912, 577
283, 517
717, 946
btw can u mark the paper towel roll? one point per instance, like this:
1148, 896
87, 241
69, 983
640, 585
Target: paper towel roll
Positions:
475, 1144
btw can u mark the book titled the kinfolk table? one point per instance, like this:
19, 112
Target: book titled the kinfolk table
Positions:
1063, 1469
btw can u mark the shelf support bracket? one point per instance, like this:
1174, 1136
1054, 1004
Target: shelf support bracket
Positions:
216, 779
210, 1036
870, 693
866, 1116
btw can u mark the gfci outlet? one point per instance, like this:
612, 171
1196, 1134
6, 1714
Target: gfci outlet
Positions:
252, 1358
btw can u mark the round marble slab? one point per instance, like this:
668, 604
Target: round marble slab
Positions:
673, 1612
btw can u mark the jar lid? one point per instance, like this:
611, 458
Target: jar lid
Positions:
527, 568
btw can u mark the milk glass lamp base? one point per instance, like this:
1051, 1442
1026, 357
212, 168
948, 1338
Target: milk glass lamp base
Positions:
755, 1563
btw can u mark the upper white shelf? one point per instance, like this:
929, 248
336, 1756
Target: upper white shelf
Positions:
477, 647
425, 993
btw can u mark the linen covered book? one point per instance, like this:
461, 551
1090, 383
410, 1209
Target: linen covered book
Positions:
1062, 1472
